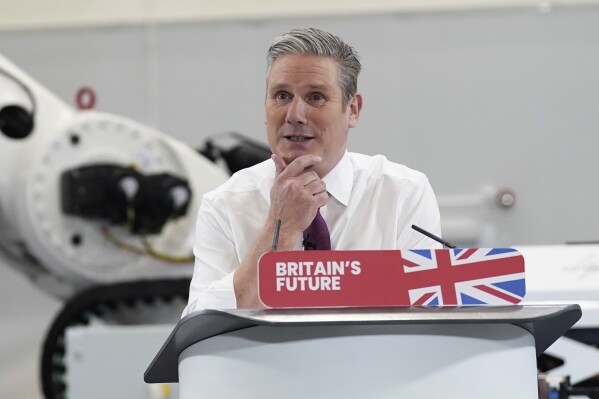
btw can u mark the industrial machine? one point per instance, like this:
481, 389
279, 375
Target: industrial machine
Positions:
99, 211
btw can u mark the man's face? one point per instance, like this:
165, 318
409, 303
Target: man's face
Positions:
304, 112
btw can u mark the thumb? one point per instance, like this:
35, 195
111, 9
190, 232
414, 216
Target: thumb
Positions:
280, 164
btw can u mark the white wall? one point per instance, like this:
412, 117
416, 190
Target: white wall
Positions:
25, 317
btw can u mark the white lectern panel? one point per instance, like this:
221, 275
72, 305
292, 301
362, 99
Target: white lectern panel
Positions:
465, 361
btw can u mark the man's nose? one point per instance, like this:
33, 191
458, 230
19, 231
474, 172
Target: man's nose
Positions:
296, 113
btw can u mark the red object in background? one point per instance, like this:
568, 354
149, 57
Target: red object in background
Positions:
85, 98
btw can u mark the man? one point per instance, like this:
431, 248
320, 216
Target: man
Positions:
367, 202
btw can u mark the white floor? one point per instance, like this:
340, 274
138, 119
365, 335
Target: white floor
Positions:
25, 316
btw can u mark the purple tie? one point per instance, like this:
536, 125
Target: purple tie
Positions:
316, 236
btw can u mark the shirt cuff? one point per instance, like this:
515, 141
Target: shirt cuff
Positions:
218, 295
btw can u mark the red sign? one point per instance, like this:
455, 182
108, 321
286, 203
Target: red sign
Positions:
443, 277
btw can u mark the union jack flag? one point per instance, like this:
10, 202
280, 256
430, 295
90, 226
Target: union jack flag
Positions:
473, 276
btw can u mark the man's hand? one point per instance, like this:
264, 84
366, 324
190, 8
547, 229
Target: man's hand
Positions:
296, 194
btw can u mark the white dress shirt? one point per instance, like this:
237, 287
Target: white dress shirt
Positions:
372, 205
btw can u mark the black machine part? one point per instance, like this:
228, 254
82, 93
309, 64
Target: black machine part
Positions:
15, 121
237, 151
97, 303
122, 195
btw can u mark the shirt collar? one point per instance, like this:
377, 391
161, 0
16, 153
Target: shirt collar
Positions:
340, 180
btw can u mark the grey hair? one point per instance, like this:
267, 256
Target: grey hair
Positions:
312, 41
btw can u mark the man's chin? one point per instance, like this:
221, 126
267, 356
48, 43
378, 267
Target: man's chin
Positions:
289, 159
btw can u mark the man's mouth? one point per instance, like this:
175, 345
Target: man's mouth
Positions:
298, 139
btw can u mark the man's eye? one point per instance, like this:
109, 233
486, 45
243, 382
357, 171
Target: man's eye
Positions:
316, 97
282, 96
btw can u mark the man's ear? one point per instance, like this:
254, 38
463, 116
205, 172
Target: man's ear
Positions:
355, 106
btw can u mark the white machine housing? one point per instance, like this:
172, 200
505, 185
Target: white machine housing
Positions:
38, 238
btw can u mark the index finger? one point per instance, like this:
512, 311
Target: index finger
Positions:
300, 164
280, 164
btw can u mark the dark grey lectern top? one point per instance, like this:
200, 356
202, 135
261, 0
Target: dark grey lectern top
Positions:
545, 322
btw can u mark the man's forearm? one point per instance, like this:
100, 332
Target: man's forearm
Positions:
245, 278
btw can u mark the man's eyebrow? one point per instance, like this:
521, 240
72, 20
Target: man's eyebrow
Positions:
284, 86
278, 86
318, 87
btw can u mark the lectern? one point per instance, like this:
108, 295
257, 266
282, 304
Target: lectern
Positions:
405, 352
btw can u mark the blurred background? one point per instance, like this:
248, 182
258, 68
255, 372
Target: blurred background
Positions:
496, 101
